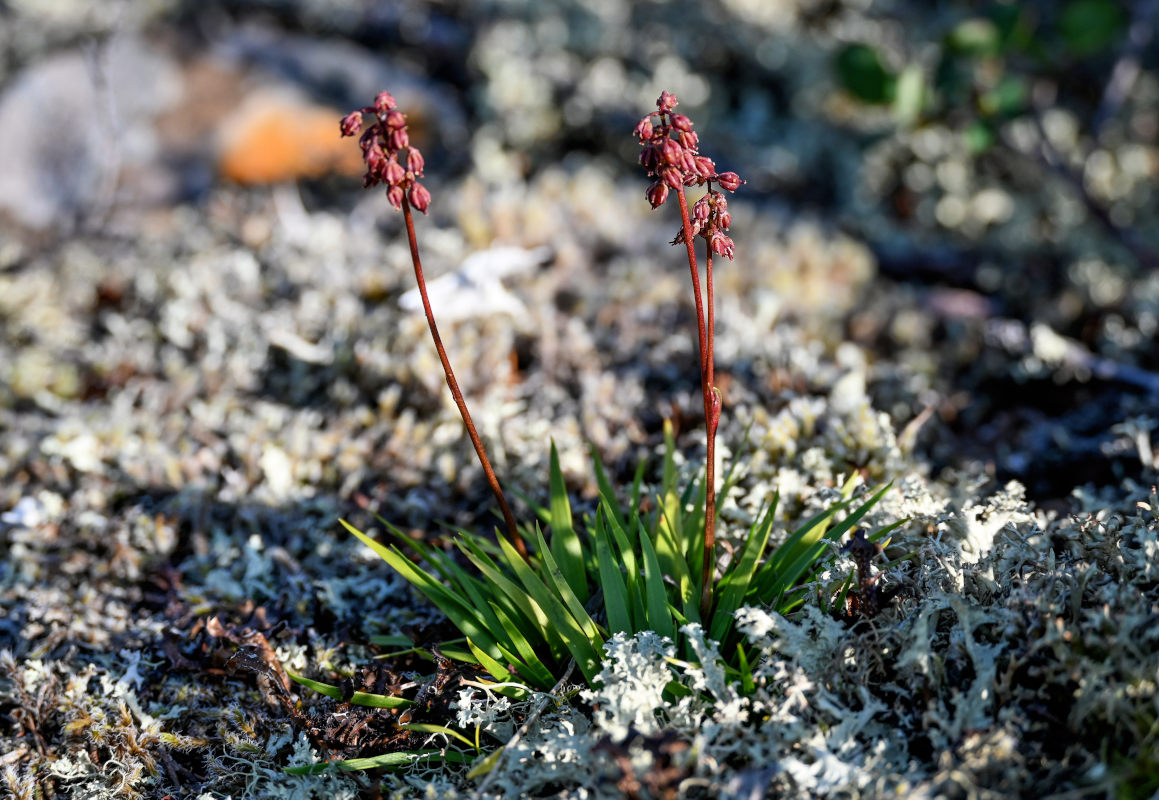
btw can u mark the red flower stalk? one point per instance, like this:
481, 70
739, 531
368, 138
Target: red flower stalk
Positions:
671, 155
382, 146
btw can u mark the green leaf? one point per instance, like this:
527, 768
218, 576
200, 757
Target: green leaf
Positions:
1007, 98
358, 698
909, 98
788, 577
612, 582
426, 727
625, 544
563, 591
1090, 26
979, 136
531, 668
565, 544
862, 74
384, 761
607, 491
492, 665
457, 608
747, 684
658, 617
735, 583
574, 638
976, 36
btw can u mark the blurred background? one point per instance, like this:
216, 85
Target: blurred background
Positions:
945, 277
953, 202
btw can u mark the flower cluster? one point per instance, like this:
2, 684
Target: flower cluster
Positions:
382, 146
671, 154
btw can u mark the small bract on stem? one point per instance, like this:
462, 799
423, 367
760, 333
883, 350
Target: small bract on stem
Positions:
386, 147
671, 155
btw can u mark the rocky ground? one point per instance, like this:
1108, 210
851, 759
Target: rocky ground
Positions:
207, 358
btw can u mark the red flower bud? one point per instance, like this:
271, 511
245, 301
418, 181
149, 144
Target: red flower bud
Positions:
384, 103
725, 221
689, 139
729, 180
705, 168
666, 102
650, 158
395, 119
414, 161
700, 210
672, 176
657, 193
644, 129
687, 161
351, 123
419, 197
395, 194
722, 245
393, 173
672, 151
681, 122
399, 139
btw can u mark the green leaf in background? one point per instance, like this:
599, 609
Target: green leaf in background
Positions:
1089, 26
979, 136
358, 698
910, 96
862, 74
974, 37
1007, 98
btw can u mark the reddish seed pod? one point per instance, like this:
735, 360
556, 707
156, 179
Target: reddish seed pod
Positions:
689, 139
414, 161
351, 124
673, 151
700, 211
657, 193
672, 176
419, 197
650, 158
399, 139
705, 168
644, 129
395, 119
393, 173
725, 221
384, 103
729, 180
395, 194
681, 123
666, 102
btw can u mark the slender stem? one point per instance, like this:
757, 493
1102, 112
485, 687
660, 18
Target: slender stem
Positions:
690, 244
512, 530
711, 397
712, 406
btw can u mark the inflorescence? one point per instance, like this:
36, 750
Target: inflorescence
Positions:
382, 145
671, 154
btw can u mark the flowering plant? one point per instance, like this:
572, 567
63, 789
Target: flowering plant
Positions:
528, 614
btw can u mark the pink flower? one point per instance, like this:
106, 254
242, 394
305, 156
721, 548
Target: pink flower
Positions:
644, 129
681, 122
689, 139
666, 102
399, 139
704, 167
395, 195
395, 119
673, 151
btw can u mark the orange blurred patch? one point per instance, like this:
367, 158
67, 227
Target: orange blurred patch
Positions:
274, 137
